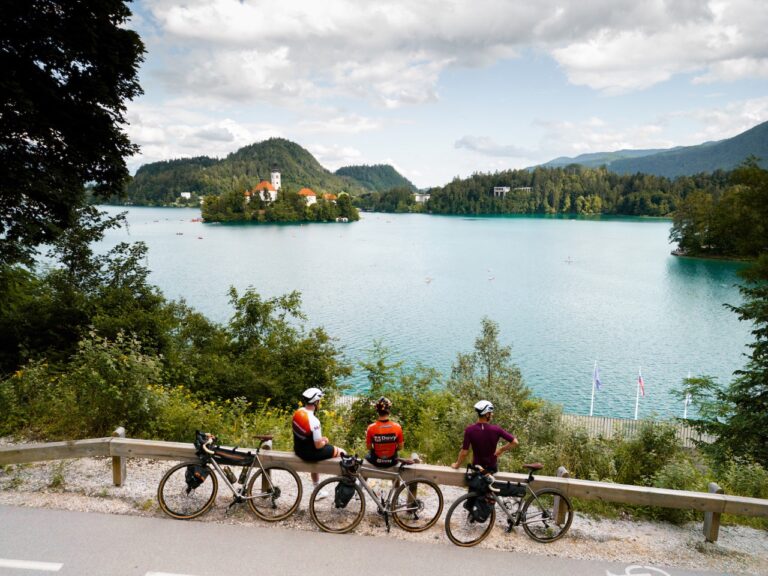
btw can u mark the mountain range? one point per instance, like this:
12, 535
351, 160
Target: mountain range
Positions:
682, 160
162, 182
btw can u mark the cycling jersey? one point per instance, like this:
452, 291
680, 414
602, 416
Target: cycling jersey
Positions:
383, 438
306, 431
483, 438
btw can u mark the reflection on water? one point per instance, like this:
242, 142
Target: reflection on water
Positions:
565, 292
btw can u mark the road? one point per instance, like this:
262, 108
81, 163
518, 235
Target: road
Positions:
36, 542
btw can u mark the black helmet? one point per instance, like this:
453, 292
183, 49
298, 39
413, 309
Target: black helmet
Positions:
383, 405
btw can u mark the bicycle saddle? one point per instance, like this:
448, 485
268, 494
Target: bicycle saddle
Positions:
535, 466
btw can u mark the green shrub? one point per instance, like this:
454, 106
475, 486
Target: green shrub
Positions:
678, 474
639, 458
744, 478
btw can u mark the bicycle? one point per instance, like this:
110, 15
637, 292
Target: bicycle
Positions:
415, 505
545, 514
185, 491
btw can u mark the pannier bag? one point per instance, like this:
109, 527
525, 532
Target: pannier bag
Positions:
200, 439
344, 492
195, 476
481, 509
509, 488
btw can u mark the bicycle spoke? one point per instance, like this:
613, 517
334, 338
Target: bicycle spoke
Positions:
274, 493
332, 518
462, 528
547, 516
417, 505
179, 501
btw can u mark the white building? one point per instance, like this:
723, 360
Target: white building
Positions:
186, 195
421, 198
500, 191
308, 195
275, 177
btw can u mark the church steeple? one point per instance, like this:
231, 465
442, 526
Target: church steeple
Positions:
275, 177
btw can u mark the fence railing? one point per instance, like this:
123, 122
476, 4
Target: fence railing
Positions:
712, 503
610, 427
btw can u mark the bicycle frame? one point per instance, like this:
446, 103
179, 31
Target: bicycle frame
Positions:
384, 506
239, 492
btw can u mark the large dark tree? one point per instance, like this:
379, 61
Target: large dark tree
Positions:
68, 67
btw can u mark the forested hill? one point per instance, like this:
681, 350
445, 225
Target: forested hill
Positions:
571, 190
162, 182
682, 160
707, 157
376, 178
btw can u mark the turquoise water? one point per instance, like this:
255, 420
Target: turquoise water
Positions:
565, 292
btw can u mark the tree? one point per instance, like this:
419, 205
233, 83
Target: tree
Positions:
488, 373
68, 69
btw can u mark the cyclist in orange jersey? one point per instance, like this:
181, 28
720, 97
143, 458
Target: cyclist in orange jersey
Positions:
384, 437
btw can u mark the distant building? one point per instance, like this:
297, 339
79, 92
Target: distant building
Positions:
421, 198
275, 177
523, 188
186, 195
308, 195
329, 197
500, 191
265, 191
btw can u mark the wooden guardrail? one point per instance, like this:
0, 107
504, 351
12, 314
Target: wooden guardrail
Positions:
712, 503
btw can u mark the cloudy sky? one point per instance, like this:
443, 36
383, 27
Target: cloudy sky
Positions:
445, 88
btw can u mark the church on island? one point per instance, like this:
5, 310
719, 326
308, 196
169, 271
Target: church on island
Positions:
267, 191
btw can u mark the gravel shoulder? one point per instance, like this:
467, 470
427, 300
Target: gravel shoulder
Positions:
85, 485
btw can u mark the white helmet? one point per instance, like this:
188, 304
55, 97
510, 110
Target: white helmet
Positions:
312, 395
483, 407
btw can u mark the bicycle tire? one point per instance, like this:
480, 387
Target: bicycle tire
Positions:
331, 519
175, 498
538, 515
461, 529
414, 502
279, 500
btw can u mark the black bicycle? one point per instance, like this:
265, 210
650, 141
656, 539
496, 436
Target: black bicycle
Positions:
545, 514
189, 489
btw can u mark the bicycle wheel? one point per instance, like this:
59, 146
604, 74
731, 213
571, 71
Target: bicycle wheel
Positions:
179, 500
417, 504
462, 529
329, 518
274, 493
547, 515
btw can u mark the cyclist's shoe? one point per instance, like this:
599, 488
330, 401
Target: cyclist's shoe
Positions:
322, 495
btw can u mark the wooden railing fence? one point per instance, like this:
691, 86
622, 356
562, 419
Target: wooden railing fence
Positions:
712, 503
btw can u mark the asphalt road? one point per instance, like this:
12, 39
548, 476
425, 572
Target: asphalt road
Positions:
36, 542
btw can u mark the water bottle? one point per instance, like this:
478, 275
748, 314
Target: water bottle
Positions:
243, 475
229, 474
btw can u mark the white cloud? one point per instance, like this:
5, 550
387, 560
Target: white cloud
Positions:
165, 132
593, 135
339, 124
728, 121
393, 52
334, 157
488, 147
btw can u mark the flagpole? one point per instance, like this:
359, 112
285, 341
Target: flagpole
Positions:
592, 404
637, 394
687, 400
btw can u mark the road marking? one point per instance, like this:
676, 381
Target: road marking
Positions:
30, 565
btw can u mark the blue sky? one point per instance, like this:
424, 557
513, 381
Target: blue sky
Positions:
446, 88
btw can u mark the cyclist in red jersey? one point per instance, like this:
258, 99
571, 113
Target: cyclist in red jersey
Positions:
483, 437
384, 437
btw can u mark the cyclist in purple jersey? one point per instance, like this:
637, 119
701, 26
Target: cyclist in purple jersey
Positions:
483, 437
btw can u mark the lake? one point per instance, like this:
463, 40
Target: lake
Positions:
565, 292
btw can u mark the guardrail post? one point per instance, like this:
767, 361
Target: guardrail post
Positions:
264, 481
557, 511
712, 519
119, 470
